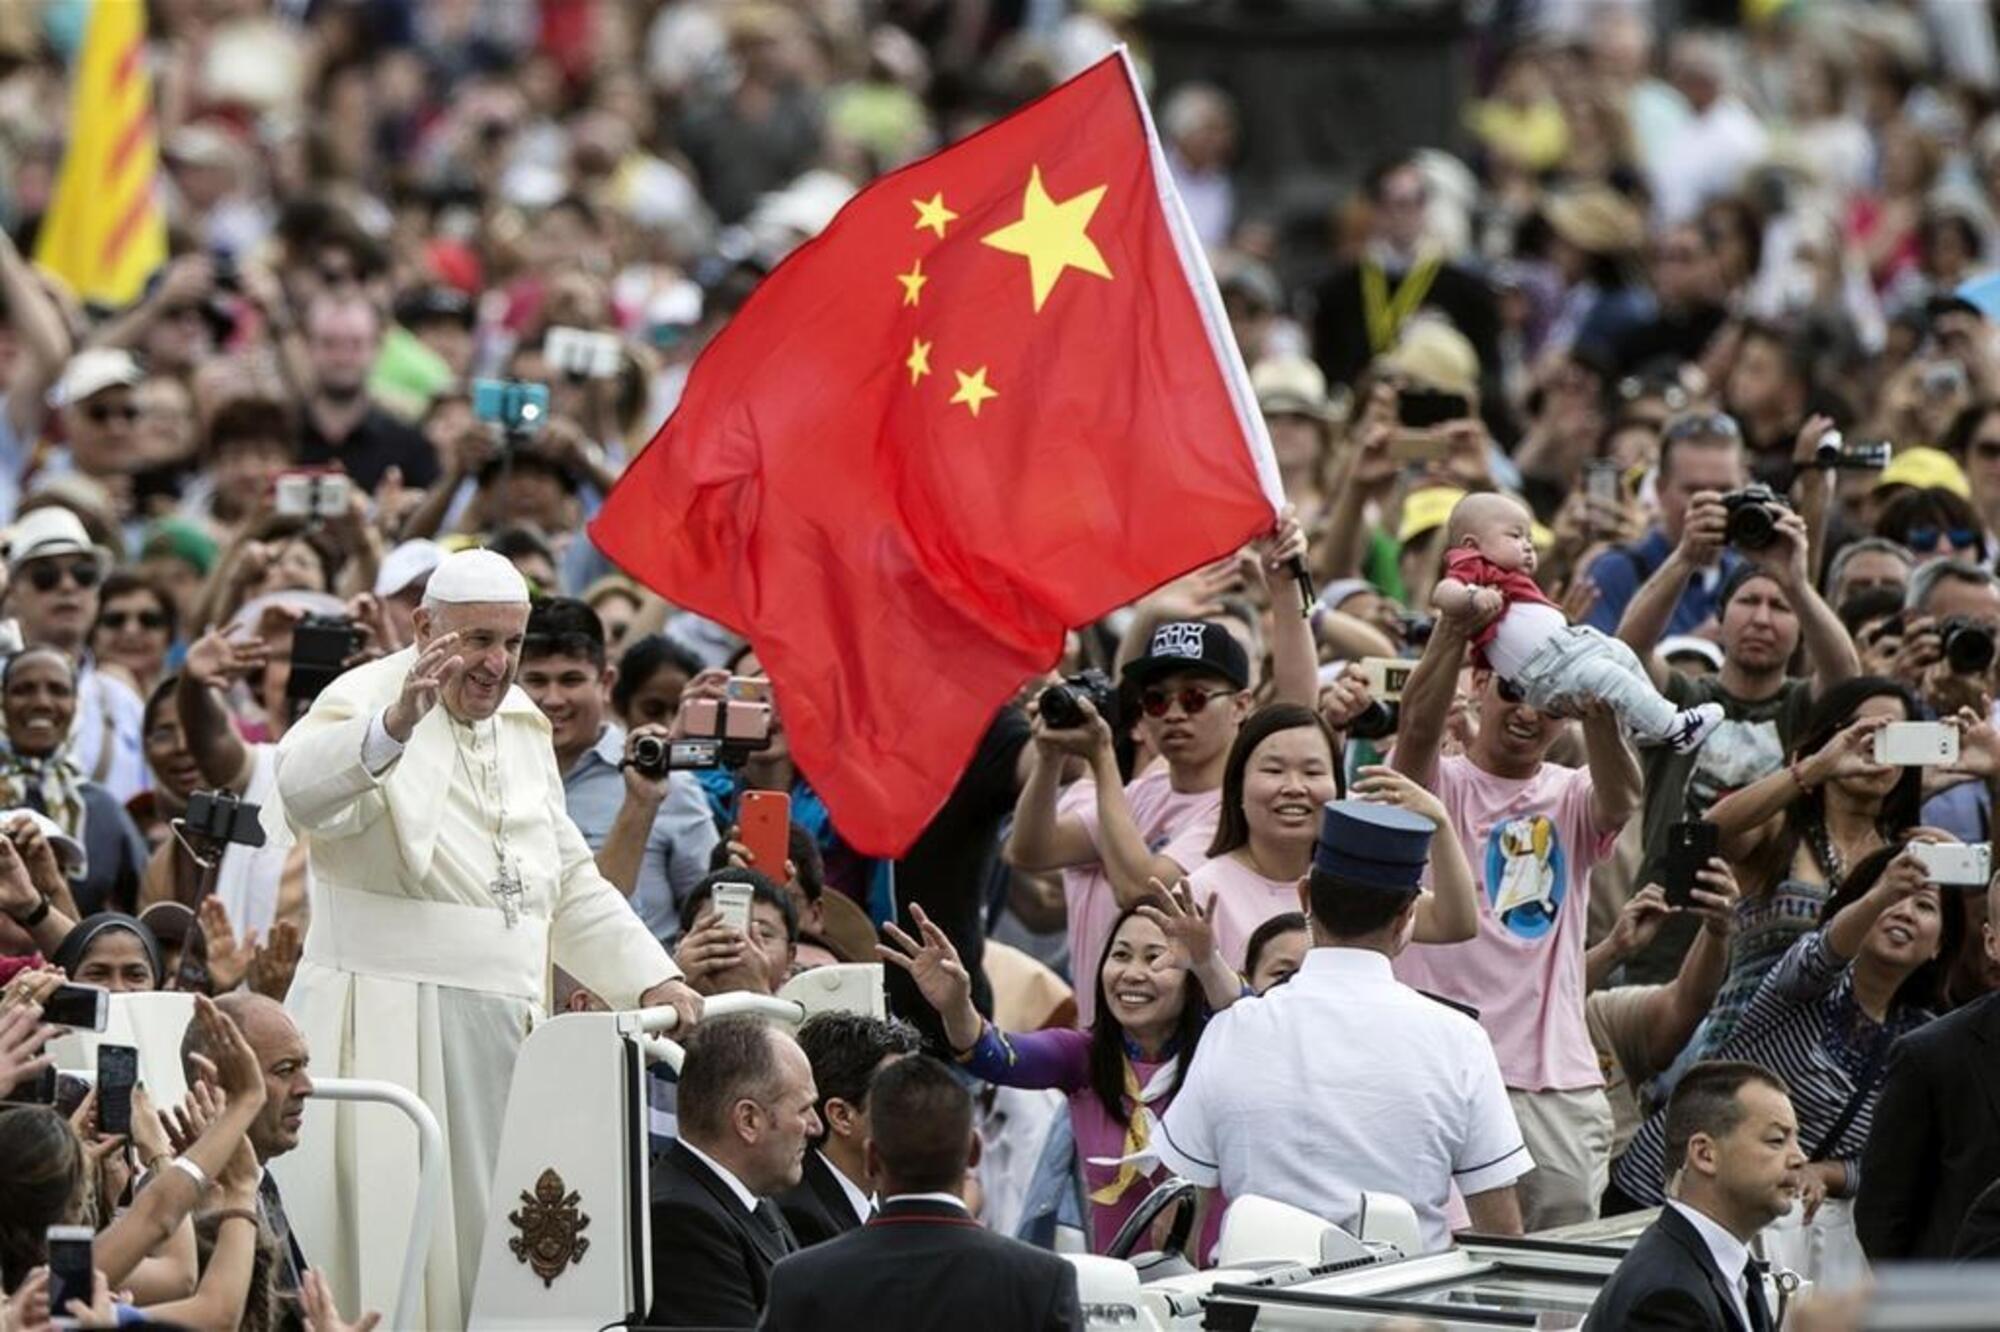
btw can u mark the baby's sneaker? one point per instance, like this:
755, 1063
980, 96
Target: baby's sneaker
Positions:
1693, 726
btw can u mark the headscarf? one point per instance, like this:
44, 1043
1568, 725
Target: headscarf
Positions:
69, 956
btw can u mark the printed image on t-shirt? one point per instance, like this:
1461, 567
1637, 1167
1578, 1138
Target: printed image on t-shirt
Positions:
1525, 878
1736, 754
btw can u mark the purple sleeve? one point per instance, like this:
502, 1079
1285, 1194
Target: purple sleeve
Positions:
1059, 1058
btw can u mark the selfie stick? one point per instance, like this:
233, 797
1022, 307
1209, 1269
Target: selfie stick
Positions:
1302, 579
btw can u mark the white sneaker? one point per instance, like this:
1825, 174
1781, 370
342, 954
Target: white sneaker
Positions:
1693, 726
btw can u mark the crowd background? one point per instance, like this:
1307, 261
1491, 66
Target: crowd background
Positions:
1664, 252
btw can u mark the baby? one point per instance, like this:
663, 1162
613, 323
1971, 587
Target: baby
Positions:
1532, 645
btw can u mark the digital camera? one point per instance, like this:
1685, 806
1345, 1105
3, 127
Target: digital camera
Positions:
1753, 516
1061, 705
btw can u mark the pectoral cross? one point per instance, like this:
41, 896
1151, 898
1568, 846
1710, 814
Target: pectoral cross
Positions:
507, 887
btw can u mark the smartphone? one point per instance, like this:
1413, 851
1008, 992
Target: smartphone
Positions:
72, 1269
85, 1007
732, 904
1412, 446
313, 493
1420, 408
1968, 865
321, 645
1387, 676
117, 1074
749, 688
1691, 844
581, 353
1917, 744
733, 721
1604, 480
765, 825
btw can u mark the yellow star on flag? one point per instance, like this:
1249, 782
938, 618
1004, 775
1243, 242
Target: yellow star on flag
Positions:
1051, 236
972, 389
913, 282
919, 362
932, 213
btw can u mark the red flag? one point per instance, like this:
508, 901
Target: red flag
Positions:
995, 398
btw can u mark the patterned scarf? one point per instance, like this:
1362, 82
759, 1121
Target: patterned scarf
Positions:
1135, 1161
51, 785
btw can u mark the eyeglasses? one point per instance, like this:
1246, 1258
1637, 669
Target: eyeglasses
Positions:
1701, 425
100, 412
1508, 690
145, 619
1155, 702
47, 575
1926, 537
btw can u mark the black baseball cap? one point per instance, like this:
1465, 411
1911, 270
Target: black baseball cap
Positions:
1189, 645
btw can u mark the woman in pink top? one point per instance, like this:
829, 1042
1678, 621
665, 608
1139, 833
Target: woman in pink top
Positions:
1279, 773
1158, 980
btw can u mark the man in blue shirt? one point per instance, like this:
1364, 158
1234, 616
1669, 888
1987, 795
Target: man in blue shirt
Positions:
1700, 452
653, 836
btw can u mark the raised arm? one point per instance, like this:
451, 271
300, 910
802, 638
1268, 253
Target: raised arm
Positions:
1448, 911
1652, 606
212, 739
44, 337
1369, 475
1673, 1013
1041, 839
624, 849
1746, 818
1427, 696
1294, 654
1614, 769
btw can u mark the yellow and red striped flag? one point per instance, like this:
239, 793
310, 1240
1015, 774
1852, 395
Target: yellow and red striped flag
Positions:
104, 232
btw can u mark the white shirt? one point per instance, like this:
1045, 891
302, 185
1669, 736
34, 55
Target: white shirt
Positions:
1342, 1081
736, 1186
856, 1199
951, 1198
1732, 1255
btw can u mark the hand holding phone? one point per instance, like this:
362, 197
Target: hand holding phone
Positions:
1691, 844
732, 905
1917, 744
764, 825
1955, 864
117, 1075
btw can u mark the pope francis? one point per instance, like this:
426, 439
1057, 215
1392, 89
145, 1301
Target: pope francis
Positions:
447, 878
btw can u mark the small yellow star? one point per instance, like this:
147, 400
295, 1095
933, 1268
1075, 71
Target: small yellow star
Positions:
932, 213
972, 389
920, 360
913, 282
1052, 236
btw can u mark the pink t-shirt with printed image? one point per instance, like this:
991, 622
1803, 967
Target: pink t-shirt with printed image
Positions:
1532, 844
1239, 899
1169, 820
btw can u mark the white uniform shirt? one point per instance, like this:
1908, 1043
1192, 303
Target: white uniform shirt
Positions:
1343, 1081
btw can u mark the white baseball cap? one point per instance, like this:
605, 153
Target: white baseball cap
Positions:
404, 565
92, 371
70, 857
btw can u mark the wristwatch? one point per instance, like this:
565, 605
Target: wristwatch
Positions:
33, 918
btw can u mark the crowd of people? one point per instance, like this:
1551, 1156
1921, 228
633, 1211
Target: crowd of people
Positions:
1571, 856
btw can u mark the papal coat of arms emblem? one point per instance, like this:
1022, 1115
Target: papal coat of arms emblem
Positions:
551, 1227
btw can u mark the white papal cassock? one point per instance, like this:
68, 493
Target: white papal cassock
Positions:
413, 975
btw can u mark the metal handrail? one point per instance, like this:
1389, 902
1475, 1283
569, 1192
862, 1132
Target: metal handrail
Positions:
663, 1019
430, 1178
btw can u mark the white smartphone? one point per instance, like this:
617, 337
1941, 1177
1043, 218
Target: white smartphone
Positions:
1969, 864
1387, 676
1917, 744
732, 905
581, 353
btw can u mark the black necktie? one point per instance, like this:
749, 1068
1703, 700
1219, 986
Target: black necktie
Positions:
1753, 1296
291, 1262
774, 1225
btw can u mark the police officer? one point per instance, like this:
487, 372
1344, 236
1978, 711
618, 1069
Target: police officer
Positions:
1343, 1080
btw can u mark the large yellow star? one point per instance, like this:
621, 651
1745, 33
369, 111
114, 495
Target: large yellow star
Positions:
919, 362
972, 389
913, 282
932, 213
1051, 236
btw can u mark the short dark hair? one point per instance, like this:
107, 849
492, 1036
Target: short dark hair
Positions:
763, 888
642, 660
1260, 938
1351, 909
1869, 604
253, 419
807, 861
920, 1120
514, 542
845, 1049
728, 1060
1705, 1101
564, 627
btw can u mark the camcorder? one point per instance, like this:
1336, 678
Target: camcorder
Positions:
1833, 451
518, 406
1753, 516
721, 733
321, 648
1061, 705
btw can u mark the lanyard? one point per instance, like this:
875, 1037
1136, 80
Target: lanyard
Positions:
1386, 313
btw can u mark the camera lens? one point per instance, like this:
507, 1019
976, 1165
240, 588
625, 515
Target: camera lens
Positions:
649, 755
1969, 648
1377, 721
1059, 708
1751, 527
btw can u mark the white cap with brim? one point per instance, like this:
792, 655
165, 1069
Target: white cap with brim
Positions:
49, 531
92, 371
1690, 645
405, 564
70, 857
477, 577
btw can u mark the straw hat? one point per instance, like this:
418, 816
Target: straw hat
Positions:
1596, 219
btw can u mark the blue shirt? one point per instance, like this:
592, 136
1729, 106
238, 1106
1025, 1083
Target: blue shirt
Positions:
677, 849
1619, 571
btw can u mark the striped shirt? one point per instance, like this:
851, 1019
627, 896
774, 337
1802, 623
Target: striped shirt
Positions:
1804, 1025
